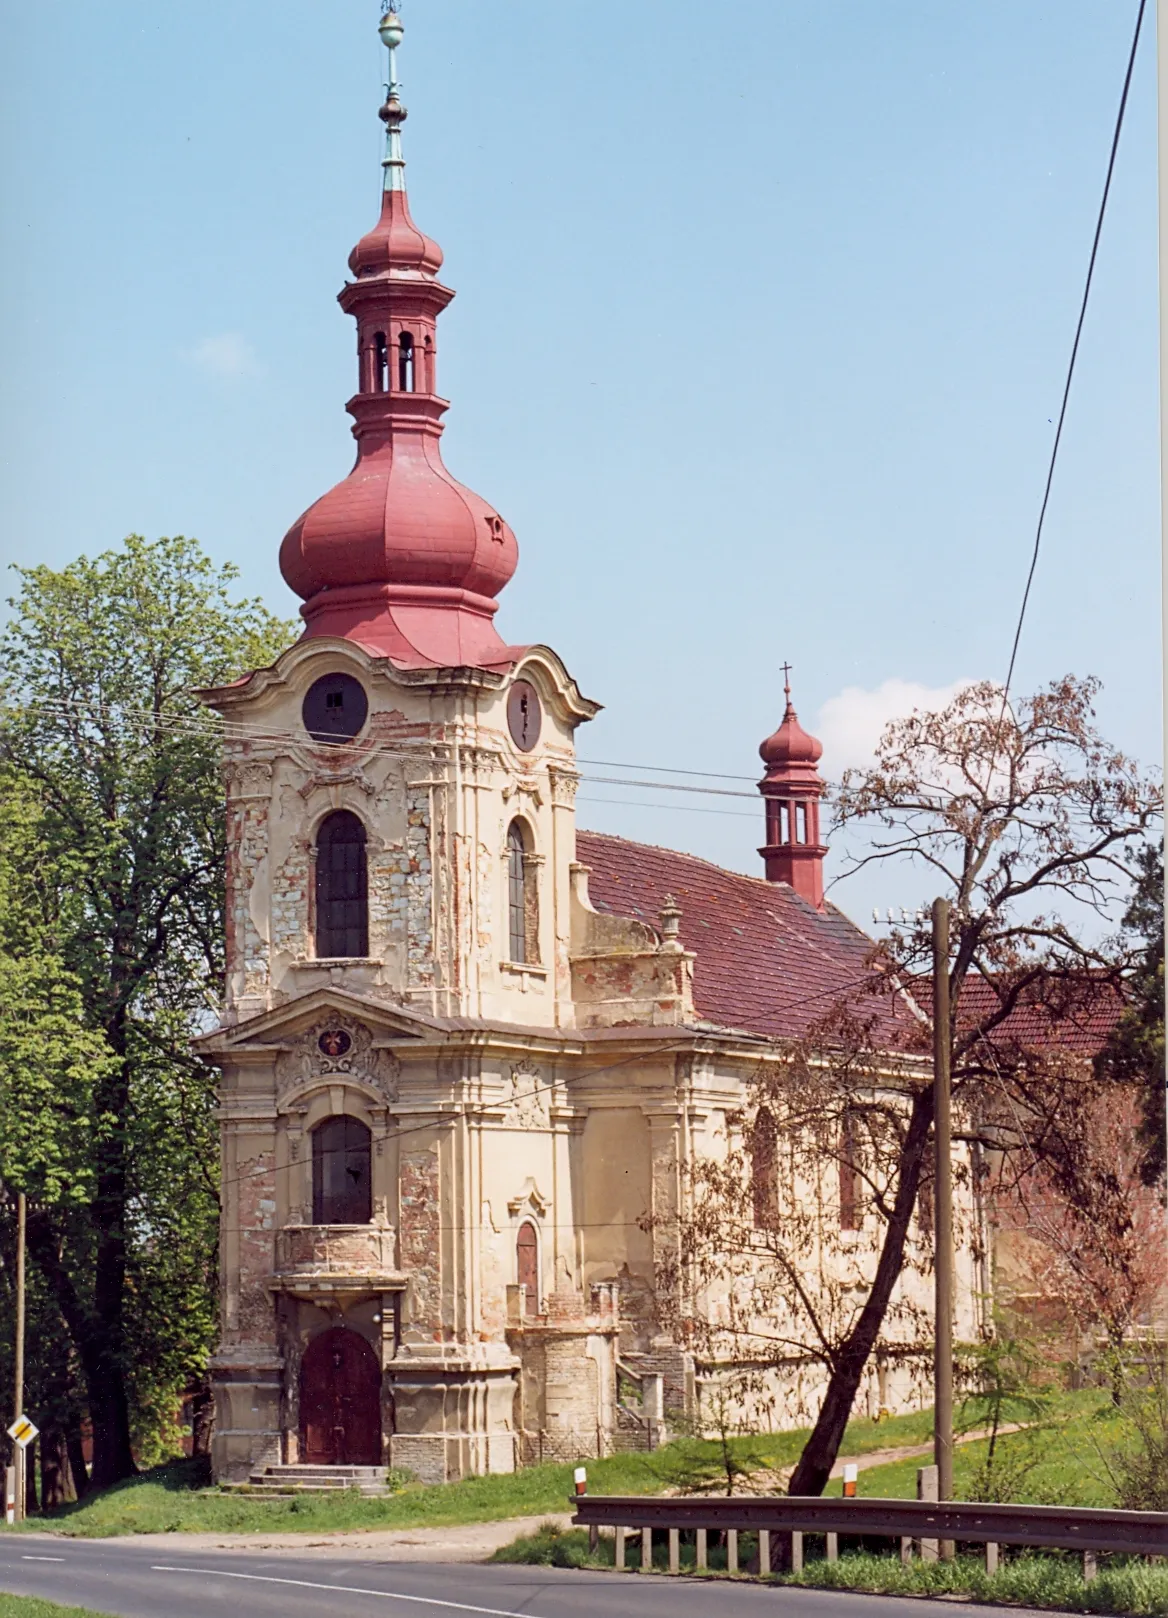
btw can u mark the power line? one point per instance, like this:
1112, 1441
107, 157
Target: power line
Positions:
198, 728
1062, 416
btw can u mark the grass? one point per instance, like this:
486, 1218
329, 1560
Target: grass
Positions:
169, 1499
1067, 1466
1030, 1579
34, 1607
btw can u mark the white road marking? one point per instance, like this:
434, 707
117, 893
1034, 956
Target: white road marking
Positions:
344, 1590
42, 1558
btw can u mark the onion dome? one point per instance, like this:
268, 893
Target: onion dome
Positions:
399, 556
792, 789
790, 749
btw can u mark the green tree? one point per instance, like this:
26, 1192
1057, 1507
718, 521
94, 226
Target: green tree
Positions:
1135, 1052
101, 728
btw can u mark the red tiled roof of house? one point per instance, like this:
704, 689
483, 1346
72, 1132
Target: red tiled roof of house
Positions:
1068, 1014
767, 962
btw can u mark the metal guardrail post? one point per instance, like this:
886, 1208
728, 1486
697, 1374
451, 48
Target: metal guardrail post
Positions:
928, 1488
764, 1551
674, 1550
732, 1550
701, 1549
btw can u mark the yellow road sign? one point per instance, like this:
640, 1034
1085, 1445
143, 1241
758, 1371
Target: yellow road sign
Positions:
23, 1431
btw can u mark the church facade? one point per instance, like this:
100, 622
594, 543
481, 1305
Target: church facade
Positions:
468, 1052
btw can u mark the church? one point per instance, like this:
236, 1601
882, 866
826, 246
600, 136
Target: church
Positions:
469, 1051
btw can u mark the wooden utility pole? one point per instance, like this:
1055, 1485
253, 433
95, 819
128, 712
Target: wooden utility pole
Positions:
943, 1214
20, 1454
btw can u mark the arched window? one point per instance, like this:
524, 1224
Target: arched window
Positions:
851, 1182
527, 1265
342, 898
342, 1191
764, 1170
522, 898
380, 362
405, 363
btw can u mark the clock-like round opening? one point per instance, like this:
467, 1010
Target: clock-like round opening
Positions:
524, 716
335, 708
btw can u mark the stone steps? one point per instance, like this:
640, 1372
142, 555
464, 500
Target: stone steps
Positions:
275, 1480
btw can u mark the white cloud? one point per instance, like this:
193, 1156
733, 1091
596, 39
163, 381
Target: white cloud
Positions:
850, 724
227, 355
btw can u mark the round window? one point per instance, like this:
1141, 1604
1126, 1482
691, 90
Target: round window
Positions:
524, 719
335, 708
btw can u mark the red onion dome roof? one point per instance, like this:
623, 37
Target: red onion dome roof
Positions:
790, 744
399, 518
395, 244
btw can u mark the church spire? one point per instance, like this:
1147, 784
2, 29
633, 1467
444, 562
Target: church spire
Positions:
792, 788
399, 556
393, 114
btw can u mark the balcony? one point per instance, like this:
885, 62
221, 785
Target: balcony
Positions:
327, 1262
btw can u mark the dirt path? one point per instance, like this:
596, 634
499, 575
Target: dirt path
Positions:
467, 1542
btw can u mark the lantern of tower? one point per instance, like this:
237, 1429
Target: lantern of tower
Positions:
792, 789
399, 556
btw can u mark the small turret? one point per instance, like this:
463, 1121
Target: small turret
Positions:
792, 788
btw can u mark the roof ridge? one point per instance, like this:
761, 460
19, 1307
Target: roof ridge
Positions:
783, 889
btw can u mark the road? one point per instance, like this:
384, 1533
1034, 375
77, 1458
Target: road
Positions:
137, 1581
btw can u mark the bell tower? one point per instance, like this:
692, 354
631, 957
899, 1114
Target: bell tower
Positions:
399, 557
793, 788
401, 783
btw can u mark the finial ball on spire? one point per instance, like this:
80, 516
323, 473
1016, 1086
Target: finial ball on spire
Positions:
391, 30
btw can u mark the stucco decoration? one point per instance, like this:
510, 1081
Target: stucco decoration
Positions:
336, 1047
526, 1106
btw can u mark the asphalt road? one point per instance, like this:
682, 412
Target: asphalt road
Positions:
135, 1581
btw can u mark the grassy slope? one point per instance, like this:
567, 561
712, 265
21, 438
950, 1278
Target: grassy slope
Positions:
1068, 1453
32, 1607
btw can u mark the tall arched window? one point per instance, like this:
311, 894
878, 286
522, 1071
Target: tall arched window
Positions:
522, 897
342, 896
342, 1191
527, 1265
405, 362
764, 1170
851, 1181
380, 363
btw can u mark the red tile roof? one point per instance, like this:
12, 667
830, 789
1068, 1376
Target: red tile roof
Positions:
1066, 1014
767, 962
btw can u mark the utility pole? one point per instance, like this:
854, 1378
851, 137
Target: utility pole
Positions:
943, 1215
20, 1454
1162, 104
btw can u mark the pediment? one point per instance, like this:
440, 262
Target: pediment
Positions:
286, 1024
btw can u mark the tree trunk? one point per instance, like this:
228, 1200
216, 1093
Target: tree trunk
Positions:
54, 1469
113, 1456
811, 1474
75, 1446
101, 1361
202, 1420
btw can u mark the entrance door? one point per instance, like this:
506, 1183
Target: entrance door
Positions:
340, 1401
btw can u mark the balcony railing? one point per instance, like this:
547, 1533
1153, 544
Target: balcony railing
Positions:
321, 1260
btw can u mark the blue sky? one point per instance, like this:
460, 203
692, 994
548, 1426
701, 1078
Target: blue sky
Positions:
763, 312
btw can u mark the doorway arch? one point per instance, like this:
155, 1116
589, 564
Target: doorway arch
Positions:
340, 1401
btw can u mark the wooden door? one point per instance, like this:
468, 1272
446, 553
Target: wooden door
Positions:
340, 1401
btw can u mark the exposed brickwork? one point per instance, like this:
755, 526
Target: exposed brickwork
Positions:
417, 889
420, 1255
290, 902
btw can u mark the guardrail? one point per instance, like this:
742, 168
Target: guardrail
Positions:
1081, 1528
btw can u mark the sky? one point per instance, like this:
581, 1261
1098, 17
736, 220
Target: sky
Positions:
762, 322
